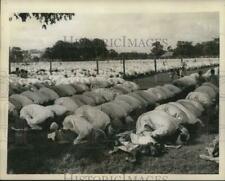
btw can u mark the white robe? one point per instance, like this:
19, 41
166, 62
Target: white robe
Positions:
35, 114
68, 103
161, 124
200, 97
94, 116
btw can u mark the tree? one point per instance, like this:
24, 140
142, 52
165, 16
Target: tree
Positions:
86, 49
99, 48
157, 49
48, 53
184, 49
16, 54
211, 48
44, 18
112, 54
207, 48
133, 55
198, 50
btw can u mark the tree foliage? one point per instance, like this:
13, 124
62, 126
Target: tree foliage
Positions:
184, 48
133, 55
203, 49
112, 54
84, 49
16, 54
44, 18
157, 49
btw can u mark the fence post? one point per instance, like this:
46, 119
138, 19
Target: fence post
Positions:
97, 66
155, 65
50, 66
124, 68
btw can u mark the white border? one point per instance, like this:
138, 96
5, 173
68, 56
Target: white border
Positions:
9, 6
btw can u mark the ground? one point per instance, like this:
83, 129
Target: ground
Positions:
95, 158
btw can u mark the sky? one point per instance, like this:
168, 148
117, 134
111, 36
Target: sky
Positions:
122, 32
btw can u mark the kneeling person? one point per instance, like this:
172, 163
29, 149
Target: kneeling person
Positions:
162, 127
35, 115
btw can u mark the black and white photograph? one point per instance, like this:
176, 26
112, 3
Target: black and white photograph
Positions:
113, 93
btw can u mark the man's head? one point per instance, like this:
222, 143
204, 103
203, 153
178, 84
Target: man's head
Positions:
110, 131
54, 126
183, 136
212, 72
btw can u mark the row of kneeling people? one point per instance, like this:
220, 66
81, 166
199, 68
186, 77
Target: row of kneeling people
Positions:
45, 94
110, 117
17, 86
172, 122
66, 93
117, 110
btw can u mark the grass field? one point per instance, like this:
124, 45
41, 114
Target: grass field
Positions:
95, 159
51, 158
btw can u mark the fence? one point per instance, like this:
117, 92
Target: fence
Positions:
110, 68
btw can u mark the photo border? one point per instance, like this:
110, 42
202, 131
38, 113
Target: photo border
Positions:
128, 6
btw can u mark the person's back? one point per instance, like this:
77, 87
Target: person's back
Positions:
35, 114
173, 74
178, 72
162, 127
200, 78
184, 69
213, 78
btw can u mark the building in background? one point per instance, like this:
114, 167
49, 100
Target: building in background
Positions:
35, 54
